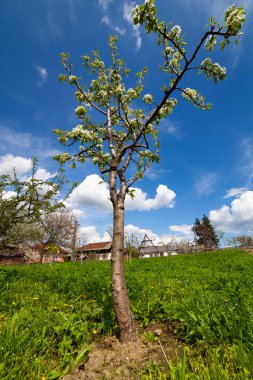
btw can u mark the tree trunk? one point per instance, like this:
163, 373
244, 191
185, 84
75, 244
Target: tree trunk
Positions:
120, 297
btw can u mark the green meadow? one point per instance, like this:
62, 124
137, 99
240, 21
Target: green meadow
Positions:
50, 315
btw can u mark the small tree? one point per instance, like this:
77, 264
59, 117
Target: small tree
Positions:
124, 135
25, 202
205, 234
244, 241
59, 228
132, 243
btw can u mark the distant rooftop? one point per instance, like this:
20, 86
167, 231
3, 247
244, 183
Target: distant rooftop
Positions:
96, 246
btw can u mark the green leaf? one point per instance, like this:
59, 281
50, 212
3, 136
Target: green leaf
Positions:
83, 355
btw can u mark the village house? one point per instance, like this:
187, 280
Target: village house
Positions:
43, 253
148, 249
12, 254
96, 251
15, 254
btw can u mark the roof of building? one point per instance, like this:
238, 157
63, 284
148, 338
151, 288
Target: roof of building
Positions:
147, 247
11, 251
44, 246
96, 246
155, 249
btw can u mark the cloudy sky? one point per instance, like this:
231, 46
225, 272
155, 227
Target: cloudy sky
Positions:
206, 156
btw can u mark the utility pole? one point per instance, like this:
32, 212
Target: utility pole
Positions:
73, 253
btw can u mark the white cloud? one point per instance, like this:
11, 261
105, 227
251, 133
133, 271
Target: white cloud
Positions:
73, 11
52, 28
78, 213
9, 194
23, 168
127, 14
92, 193
11, 137
19, 142
214, 8
40, 173
183, 229
157, 239
170, 128
204, 185
155, 173
238, 217
164, 198
107, 21
9, 162
130, 229
43, 74
92, 236
245, 166
104, 3
235, 192
43, 174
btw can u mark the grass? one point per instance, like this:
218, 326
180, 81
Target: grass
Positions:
50, 315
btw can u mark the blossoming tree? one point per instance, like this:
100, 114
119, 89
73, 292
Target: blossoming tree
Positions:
25, 202
122, 140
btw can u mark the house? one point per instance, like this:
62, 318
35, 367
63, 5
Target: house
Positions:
96, 251
39, 253
46, 253
11, 254
148, 249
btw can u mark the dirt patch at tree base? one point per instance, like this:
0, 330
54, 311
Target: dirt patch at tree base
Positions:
109, 359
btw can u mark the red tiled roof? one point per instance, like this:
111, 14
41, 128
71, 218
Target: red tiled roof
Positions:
96, 246
42, 246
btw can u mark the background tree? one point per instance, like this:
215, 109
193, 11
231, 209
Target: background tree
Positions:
184, 246
26, 202
59, 228
26, 234
132, 243
205, 233
244, 241
122, 139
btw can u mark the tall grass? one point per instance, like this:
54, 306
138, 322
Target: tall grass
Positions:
50, 315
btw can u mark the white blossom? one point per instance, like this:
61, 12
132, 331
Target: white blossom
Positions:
87, 134
234, 17
169, 50
176, 30
148, 98
213, 70
62, 158
131, 92
72, 79
190, 93
119, 89
102, 93
80, 110
78, 129
210, 43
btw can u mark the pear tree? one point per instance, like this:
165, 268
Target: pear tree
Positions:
25, 202
118, 125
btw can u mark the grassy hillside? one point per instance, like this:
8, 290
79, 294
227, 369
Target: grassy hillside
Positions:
50, 315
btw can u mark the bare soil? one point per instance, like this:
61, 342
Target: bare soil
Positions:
109, 359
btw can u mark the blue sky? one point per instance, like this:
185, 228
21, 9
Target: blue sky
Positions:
206, 156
